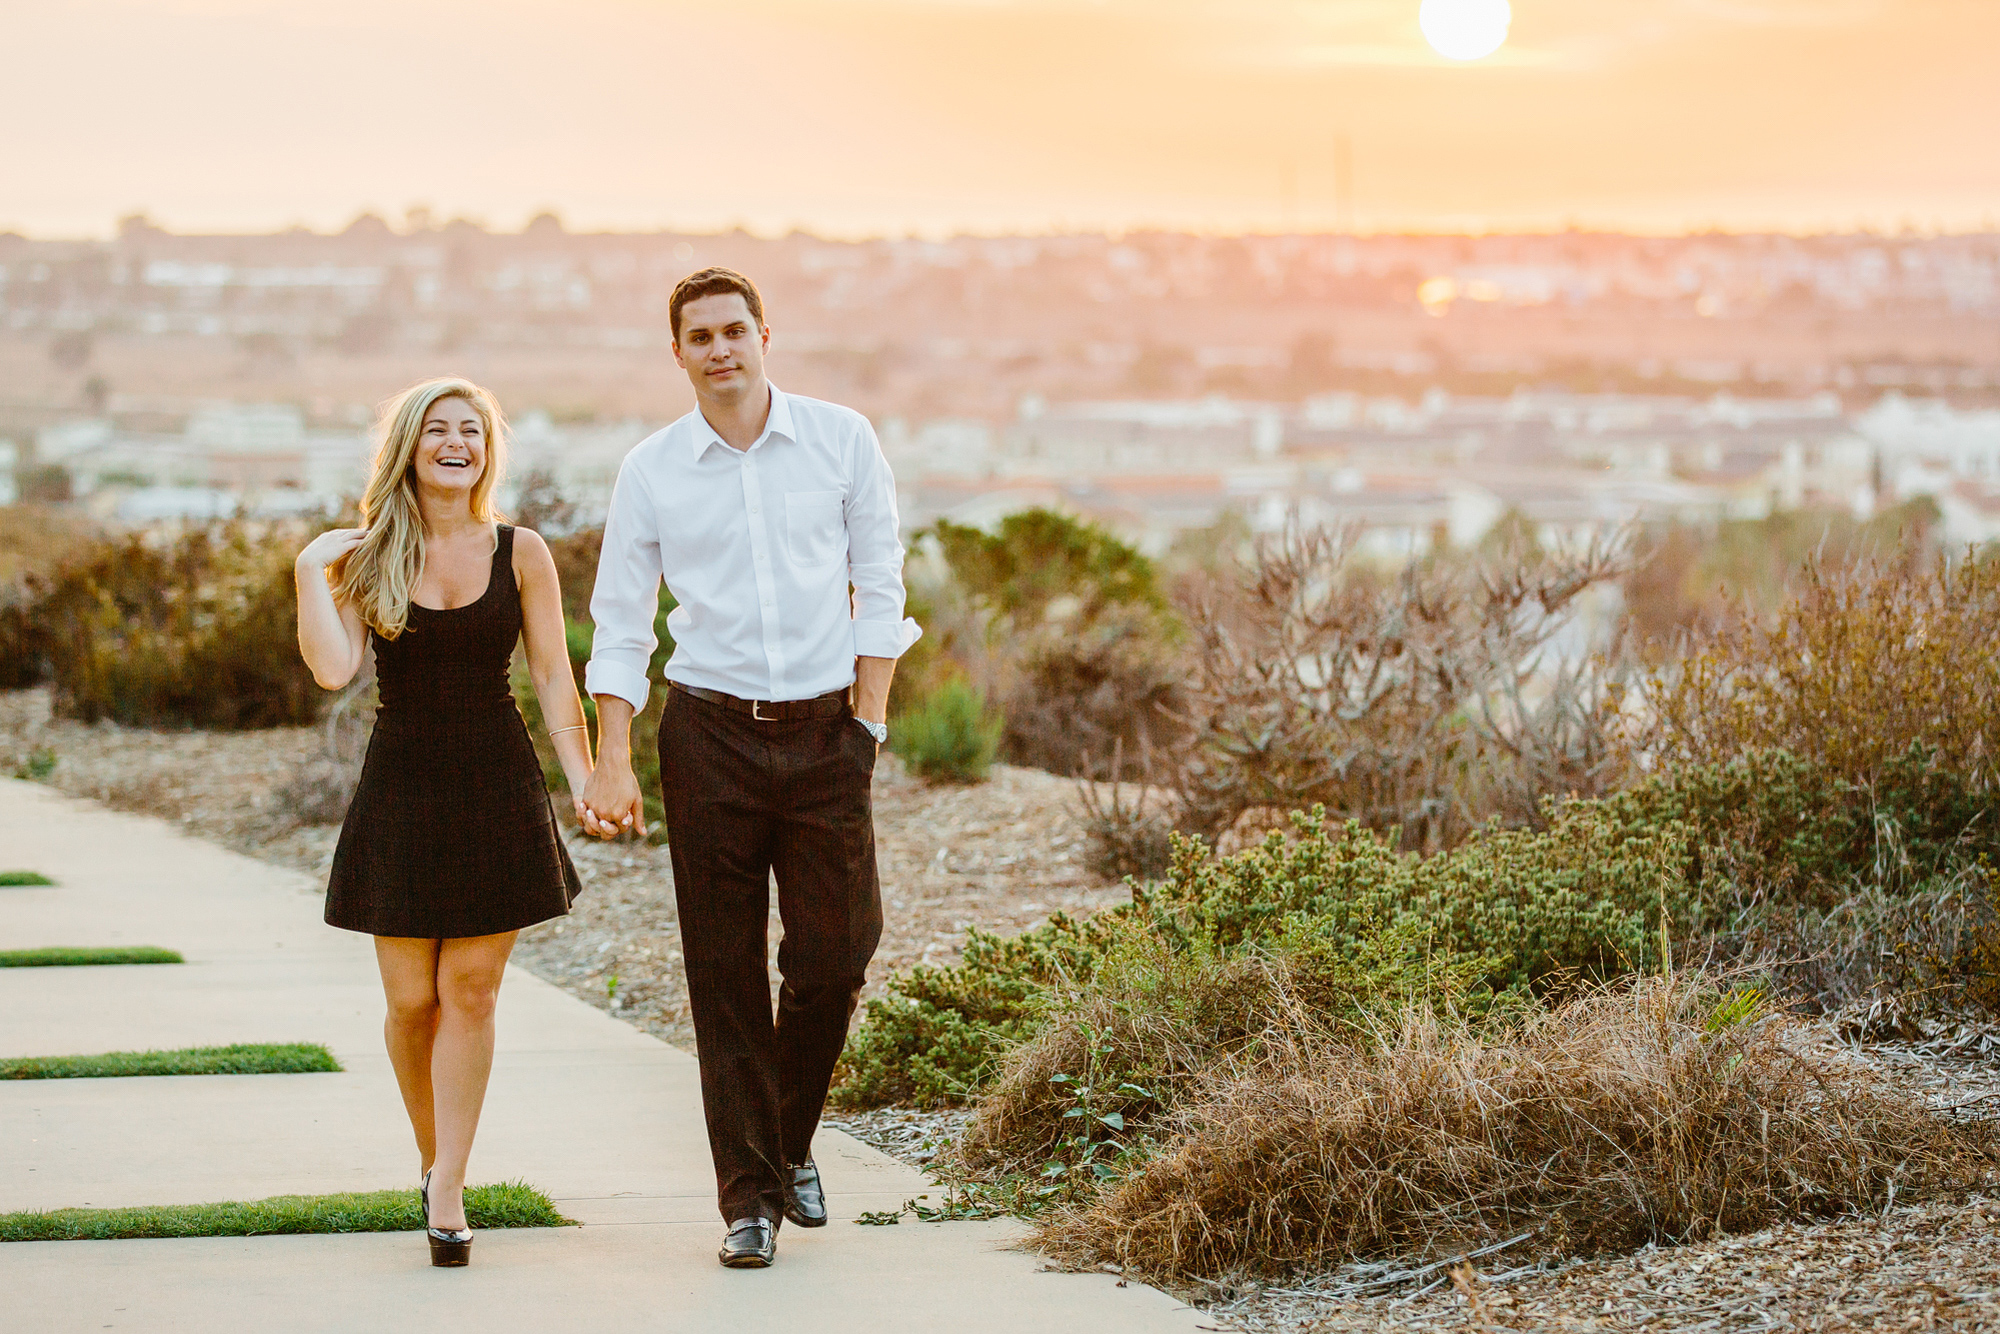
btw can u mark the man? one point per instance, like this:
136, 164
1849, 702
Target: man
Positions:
759, 509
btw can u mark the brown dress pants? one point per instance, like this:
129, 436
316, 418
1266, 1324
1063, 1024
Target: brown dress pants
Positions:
747, 801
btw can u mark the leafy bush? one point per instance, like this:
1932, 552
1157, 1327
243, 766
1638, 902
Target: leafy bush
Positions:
934, 1039
952, 737
199, 632
1062, 623
1116, 1053
1510, 914
1039, 561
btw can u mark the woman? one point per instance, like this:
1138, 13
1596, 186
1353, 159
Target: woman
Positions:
450, 846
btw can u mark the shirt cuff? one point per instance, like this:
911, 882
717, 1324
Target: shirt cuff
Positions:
604, 677
884, 639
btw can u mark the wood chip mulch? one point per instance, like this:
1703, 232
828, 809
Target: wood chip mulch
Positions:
1926, 1267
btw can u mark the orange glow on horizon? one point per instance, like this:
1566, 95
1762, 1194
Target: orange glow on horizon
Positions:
853, 117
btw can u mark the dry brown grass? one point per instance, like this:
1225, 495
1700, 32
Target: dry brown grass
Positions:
1655, 1111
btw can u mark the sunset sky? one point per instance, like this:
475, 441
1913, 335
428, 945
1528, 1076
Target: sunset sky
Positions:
854, 117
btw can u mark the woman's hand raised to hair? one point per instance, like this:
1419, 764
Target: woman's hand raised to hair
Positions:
330, 546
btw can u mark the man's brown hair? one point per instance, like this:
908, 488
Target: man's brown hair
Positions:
713, 282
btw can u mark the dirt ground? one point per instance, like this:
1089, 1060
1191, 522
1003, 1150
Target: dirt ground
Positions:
1003, 855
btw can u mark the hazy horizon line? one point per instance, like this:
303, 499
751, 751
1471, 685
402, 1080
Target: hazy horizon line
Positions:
1906, 229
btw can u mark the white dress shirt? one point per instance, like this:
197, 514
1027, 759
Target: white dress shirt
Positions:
758, 547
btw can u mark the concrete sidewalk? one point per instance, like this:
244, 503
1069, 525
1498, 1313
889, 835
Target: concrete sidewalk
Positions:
604, 1118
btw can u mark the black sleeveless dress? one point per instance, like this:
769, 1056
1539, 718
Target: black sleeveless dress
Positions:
451, 832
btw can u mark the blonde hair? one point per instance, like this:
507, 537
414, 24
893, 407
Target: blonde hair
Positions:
378, 577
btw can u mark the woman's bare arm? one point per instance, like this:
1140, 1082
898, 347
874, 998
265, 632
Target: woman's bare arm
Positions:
332, 639
542, 633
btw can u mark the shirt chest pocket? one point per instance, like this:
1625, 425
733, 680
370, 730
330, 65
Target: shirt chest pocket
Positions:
814, 531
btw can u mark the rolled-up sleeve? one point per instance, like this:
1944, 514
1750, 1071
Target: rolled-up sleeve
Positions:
627, 594
875, 555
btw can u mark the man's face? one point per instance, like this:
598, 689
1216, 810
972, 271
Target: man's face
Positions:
721, 345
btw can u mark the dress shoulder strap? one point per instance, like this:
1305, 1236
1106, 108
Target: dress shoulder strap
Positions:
503, 557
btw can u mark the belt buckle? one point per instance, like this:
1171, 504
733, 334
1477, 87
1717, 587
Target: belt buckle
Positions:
755, 705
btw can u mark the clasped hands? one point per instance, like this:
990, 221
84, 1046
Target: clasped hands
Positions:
610, 803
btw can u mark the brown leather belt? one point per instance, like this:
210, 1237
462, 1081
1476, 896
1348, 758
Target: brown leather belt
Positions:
830, 705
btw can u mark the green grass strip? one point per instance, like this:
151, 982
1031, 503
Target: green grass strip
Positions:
70, 956
9, 879
245, 1058
512, 1204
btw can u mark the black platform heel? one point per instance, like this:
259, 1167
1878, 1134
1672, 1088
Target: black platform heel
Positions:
449, 1249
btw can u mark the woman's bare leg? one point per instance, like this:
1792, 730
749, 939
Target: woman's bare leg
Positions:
409, 980
468, 983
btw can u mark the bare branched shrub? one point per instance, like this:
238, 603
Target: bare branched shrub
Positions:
1131, 824
1658, 1110
1430, 699
1863, 662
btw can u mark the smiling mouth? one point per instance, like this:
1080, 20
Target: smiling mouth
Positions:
454, 463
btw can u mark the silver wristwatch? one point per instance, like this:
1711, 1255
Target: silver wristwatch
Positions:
880, 731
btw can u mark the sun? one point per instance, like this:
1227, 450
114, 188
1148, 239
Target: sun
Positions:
1465, 29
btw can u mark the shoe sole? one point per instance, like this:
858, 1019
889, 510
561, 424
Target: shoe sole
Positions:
801, 1220
747, 1261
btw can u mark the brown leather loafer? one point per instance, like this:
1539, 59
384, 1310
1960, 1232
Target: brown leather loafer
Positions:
805, 1198
752, 1243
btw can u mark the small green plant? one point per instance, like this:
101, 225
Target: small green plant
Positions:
69, 956
952, 737
259, 1058
36, 768
1087, 1157
12, 879
1734, 1008
611, 991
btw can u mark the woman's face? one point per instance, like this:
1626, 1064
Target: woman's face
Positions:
451, 448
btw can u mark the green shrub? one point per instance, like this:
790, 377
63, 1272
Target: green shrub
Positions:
935, 1038
1113, 1056
1508, 915
952, 737
1863, 664
201, 632
1772, 826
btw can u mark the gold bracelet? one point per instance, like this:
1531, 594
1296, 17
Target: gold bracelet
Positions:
580, 727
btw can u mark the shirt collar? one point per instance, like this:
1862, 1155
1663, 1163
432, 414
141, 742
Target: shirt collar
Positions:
779, 423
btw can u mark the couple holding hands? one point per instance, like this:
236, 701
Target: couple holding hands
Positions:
772, 520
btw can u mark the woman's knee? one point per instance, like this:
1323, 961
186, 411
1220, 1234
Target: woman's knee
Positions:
470, 996
414, 1010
